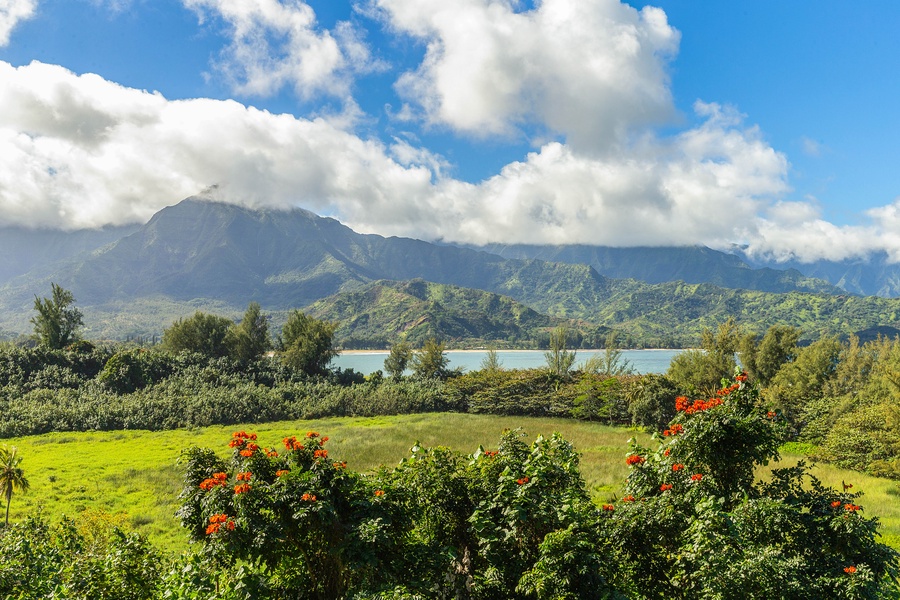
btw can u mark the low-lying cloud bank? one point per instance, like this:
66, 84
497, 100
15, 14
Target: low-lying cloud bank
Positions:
80, 151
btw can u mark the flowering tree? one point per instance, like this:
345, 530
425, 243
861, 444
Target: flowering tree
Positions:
695, 523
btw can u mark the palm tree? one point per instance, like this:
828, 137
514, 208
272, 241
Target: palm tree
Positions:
12, 477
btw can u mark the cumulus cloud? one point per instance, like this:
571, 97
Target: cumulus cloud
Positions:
11, 13
593, 71
80, 151
276, 44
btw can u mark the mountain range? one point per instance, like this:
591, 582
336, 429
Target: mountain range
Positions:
205, 255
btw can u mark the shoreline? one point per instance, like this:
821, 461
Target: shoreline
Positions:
385, 352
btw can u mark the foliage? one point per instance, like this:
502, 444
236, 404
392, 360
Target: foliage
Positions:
201, 333
12, 476
695, 524
249, 339
57, 322
559, 359
698, 372
431, 361
398, 359
82, 560
762, 359
491, 361
651, 401
799, 383
307, 343
610, 363
127, 371
438, 525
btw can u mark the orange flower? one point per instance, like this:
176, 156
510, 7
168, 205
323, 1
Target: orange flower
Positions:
609, 507
491, 453
212, 528
677, 467
635, 459
242, 488
247, 453
340, 465
628, 498
770, 415
696, 476
312, 434
522, 481
281, 472
244, 476
850, 570
320, 454
308, 497
742, 377
216, 480
674, 429
666, 453
379, 493
852, 507
835, 504
665, 487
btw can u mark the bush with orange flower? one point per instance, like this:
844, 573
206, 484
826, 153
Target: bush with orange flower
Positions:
698, 523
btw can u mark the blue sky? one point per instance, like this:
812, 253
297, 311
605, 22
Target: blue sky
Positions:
767, 124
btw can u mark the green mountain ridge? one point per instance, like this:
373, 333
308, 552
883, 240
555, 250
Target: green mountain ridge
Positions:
384, 312
205, 255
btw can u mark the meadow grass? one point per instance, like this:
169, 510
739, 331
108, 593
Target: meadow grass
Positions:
136, 475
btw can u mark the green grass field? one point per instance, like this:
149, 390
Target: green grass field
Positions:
136, 473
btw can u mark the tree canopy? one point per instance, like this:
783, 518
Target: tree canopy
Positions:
308, 343
57, 322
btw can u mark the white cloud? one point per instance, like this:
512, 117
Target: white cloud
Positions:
591, 70
80, 151
11, 13
276, 44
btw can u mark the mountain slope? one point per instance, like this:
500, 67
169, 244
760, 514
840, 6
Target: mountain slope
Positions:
875, 275
201, 253
386, 311
690, 264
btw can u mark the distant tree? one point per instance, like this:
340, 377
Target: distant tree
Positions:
491, 362
431, 361
611, 363
249, 339
559, 359
202, 333
308, 343
12, 477
397, 361
763, 359
57, 322
700, 372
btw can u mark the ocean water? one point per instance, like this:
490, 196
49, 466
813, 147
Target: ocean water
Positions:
641, 361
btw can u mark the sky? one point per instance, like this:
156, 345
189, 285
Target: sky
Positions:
771, 125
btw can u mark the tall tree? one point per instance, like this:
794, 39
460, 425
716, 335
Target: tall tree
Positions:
397, 361
57, 322
249, 339
762, 360
12, 477
559, 359
431, 361
308, 343
203, 333
491, 361
611, 362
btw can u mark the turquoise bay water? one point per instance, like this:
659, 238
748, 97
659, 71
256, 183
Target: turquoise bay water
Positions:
642, 361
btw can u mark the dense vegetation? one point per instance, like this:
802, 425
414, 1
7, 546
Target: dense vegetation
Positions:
286, 519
